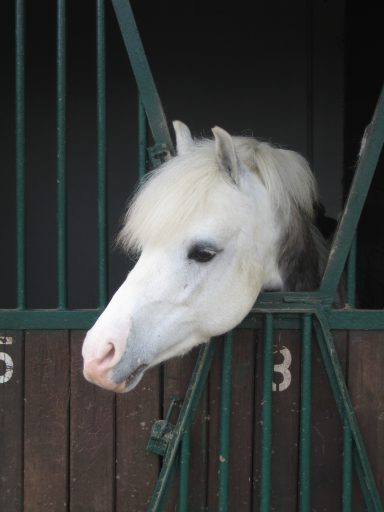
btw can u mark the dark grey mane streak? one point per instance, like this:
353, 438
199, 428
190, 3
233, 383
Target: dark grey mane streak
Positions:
303, 254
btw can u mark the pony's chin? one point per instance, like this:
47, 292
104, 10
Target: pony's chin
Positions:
131, 381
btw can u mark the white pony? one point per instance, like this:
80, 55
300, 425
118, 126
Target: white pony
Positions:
215, 225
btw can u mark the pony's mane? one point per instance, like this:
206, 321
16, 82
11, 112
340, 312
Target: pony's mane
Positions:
179, 190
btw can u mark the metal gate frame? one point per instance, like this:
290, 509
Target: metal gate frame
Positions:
309, 310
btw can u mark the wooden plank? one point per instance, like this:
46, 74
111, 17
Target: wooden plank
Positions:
214, 386
136, 468
92, 423
46, 421
285, 420
241, 457
11, 420
327, 433
366, 382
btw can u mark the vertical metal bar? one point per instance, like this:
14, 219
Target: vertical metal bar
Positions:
305, 415
20, 152
225, 422
61, 155
184, 469
142, 132
101, 152
347, 437
266, 411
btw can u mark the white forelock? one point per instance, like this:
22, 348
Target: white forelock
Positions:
181, 190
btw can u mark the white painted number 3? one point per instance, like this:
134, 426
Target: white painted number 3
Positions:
283, 369
6, 369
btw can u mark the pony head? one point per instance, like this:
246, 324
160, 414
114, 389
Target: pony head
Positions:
207, 227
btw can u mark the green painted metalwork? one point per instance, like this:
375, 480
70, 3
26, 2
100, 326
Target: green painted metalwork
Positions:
351, 275
266, 413
20, 152
343, 402
346, 498
225, 420
186, 415
347, 436
142, 134
37, 319
101, 153
162, 432
357, 195
143, 75
61, 156
185, 454
305, 414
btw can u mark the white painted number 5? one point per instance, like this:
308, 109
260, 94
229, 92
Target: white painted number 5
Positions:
6, 369
283, 369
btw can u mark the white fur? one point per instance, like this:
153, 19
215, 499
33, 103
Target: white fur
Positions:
236, 193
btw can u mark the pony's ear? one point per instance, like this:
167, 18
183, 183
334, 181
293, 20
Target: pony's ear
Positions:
226, 154
184, 140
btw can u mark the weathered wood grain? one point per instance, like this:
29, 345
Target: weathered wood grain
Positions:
46, 432
92, 438
11, 420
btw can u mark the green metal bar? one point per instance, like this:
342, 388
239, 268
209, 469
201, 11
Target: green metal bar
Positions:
266, 411
343, 402
185, 453
188, 409
351, 274
225, 422
61, 155
347, 470
142, 133
101, 153
338, 320
305, 415
48, 319
20, 152
357, 319
347, 436
367, 499
143, 75
355, 202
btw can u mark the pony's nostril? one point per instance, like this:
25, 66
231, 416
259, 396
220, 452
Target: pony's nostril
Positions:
108, 355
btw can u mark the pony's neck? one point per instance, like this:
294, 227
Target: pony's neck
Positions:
303, 255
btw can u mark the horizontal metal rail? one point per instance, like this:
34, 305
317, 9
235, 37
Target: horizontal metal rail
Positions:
285, 318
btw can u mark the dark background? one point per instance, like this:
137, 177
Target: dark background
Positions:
303, 74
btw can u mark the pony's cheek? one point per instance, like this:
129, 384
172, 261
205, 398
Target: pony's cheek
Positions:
225, 305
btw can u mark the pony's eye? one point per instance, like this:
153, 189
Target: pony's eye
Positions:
201, 254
